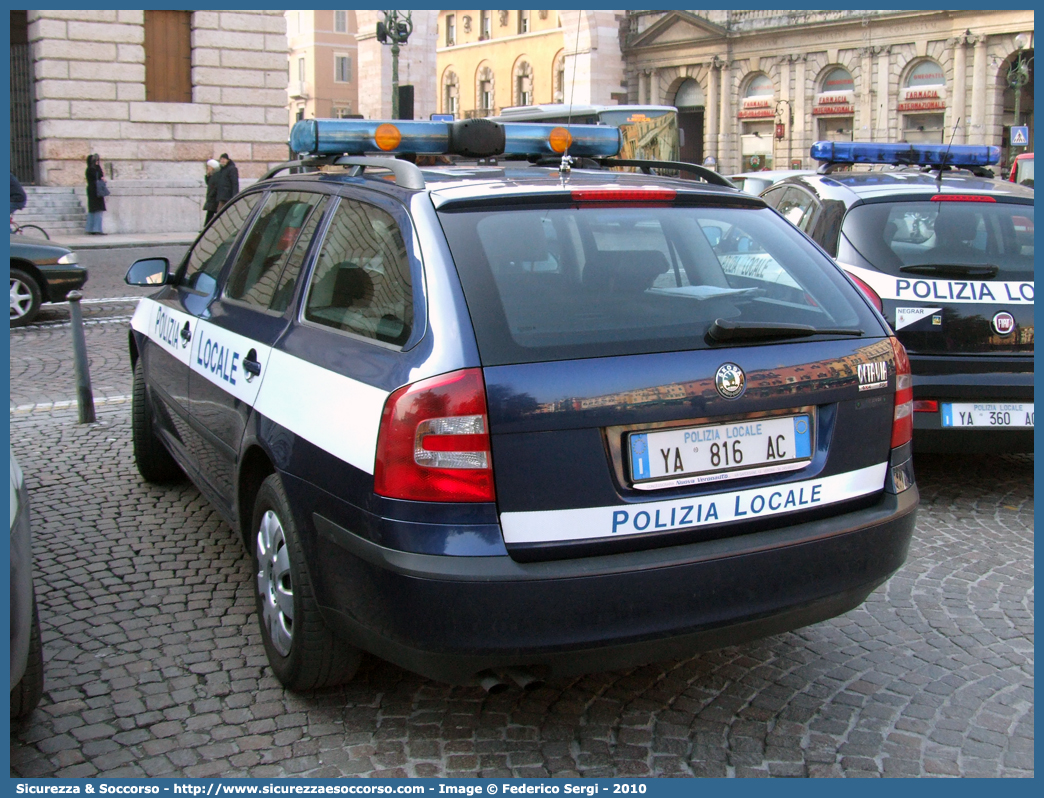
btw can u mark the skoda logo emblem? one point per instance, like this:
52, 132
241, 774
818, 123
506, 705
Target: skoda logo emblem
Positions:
1004, 323
730, 381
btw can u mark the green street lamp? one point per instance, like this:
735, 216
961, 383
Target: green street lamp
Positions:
395, 30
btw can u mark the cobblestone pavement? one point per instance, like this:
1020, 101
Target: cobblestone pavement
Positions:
155, 665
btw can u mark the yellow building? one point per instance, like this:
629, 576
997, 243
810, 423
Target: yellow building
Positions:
323, 64
489, 60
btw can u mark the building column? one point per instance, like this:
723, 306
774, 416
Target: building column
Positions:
724, 117
654, 87
959, 101
802, 118
884, 99
710, 120
864, 108
977, 128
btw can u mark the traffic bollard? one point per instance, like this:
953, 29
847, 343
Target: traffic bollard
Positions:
84, 394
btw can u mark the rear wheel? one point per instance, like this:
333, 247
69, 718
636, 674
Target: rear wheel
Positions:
25, 298
303, 652
26, 694
155, 463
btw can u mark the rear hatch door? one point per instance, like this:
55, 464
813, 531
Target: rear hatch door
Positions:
954, 272
664, 372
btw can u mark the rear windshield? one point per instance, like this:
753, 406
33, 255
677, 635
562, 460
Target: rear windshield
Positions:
892, 235
563, 283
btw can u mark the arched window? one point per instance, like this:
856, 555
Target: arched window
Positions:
484, 91
922, 103
558, 71
450, 93
523, 84
834, 105
757, 113
689, 96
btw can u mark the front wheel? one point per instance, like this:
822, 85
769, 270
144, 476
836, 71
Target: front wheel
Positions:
303, 652
25, 298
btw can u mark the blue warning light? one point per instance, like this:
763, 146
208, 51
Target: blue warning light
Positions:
904, 154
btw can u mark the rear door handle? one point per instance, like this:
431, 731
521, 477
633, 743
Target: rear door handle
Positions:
251, 365
186, 333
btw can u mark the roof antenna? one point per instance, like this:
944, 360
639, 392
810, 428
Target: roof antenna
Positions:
946, 155
566, 166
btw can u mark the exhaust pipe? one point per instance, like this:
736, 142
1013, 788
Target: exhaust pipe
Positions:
491, 683
524, 679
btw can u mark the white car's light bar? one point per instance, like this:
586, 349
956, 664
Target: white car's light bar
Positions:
908, 154
477, 138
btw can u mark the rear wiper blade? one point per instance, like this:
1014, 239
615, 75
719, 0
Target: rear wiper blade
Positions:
961, 269
725, 330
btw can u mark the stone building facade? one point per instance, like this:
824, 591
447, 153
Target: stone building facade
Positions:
884, 76
417, 65
88, 70
490, 60
323, 64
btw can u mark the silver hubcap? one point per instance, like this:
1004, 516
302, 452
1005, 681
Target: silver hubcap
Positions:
273, 583
21, 298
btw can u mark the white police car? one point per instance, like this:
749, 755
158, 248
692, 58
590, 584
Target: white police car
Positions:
946, 254
502, 420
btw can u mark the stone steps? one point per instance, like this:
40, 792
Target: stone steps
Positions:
58, 210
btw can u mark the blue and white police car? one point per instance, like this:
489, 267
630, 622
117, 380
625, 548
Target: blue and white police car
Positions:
505, 420
946, 254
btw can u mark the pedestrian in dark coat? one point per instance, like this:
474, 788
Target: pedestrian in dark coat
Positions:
210, 205
95, 203
228, 183
18, 198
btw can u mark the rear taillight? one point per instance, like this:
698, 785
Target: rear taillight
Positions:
926, 406
871, 294
902, 420
433, 444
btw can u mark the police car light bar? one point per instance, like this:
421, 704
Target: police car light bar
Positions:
906, 154
477, 138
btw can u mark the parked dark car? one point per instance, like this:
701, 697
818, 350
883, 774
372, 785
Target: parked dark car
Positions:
946, 254
41, 271
503, 420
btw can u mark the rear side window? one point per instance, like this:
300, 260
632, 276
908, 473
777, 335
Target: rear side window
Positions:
259, 277
894, 235
562, 283
797, 207
361, 282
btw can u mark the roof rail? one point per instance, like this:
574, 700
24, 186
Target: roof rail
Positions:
407, 175
700, 171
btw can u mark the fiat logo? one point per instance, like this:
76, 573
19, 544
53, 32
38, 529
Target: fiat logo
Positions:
730, 381
1004, 323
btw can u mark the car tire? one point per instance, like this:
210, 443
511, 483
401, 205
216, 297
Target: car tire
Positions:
155, 463
25, 298
303, 652
26, 694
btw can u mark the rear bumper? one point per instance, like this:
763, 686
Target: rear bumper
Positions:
451, 618
989, 386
